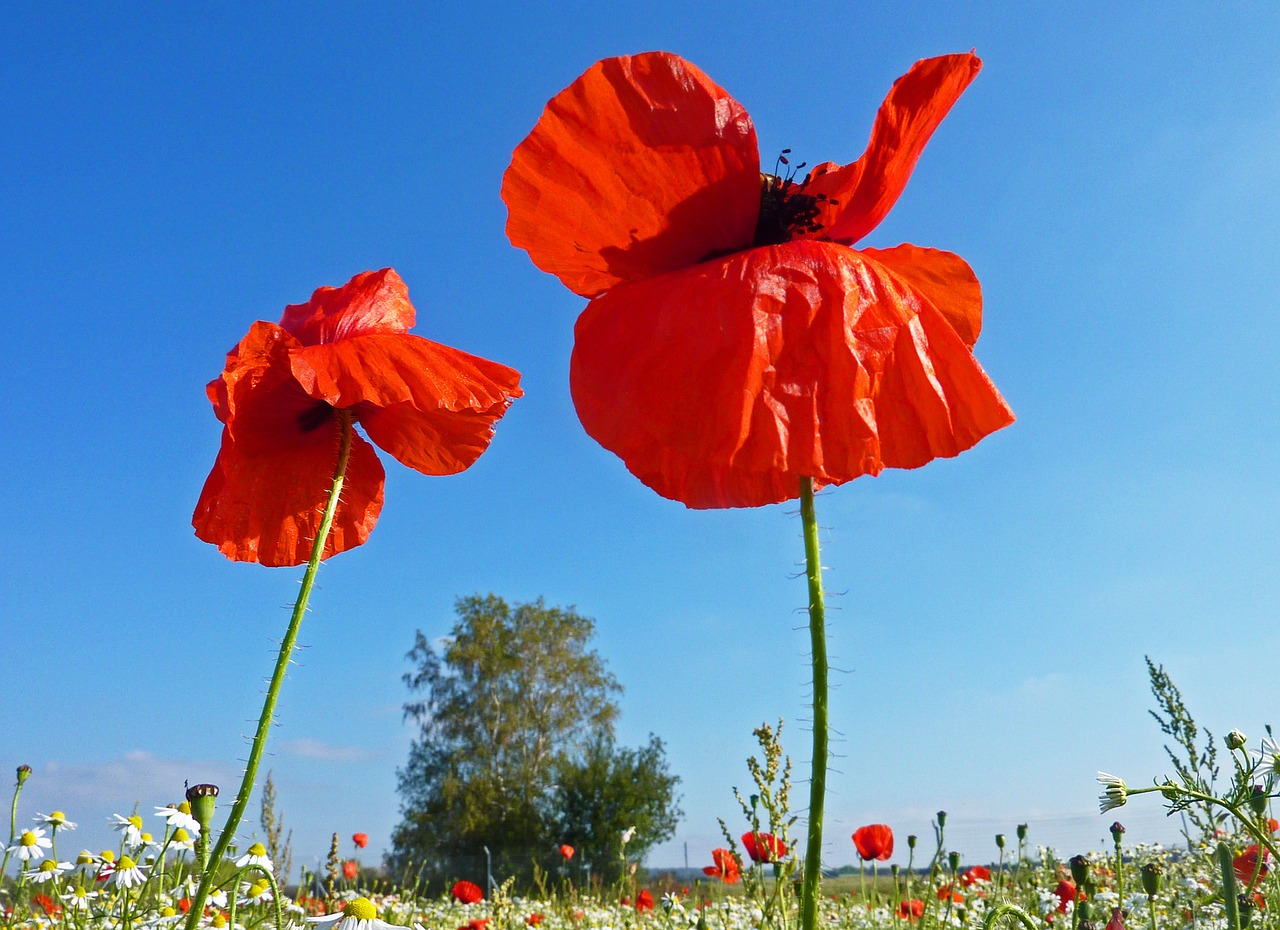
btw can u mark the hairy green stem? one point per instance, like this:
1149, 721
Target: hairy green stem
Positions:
277, 677
818, 778
1229, 894
996, 914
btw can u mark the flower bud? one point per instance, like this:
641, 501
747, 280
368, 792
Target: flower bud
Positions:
942, 818
999, 841
1152, 875
1236, 740
1117, 831
953, 860
24, 772
1022, 832
203, 800
911, 841
1258, 799
1080, 869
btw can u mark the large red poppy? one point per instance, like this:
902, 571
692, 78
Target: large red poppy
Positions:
874, 841
344, 352
735, 342
726, 866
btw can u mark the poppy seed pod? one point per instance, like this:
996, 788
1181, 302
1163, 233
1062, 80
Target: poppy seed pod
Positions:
1117, 831
1080, 869
203, 799
24, 772
1022, 832
942, 818
953, 860
1152, 875
999, 841
1258, 799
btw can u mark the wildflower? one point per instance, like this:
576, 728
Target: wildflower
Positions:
55, 821
628, 835
257, 892
735, 342
357, 914
48, 871
130, 826
179, 816
79, 899
644, 900
1114, 792
726, 866
351, 870
127, 873
256, 855
764, 847
534, 919
181, 839
1235, 740
911, 908
565, 851
360, 839
874, 842
1249, 866
31, 845
289, 392
974, 874
466, 892
47, 904
1065, 892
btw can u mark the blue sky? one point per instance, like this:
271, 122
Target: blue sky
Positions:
167, 178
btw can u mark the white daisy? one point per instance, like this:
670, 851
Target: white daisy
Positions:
628, 835
257, 855
78, 899
127, 873
180, 817
256, 892
1114, 792
31, 845
130, 826
1266, 759
358, 914
48, 871
181, 839
56, 821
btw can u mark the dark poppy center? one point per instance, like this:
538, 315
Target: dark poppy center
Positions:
315, 416
786, 210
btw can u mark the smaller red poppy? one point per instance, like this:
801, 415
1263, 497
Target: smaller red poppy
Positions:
625, 900
184, 905
48, 905
912, 909
726, 867
874, 841
978, 873
1117, 919
360, 839
350, 870
1066, 891
467, 892
764, 847
1249, 867
1272, 824
566, 851
534, 919
644, 900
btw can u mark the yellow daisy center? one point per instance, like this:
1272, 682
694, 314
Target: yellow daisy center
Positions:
48, 866
219, 921
258, 887
58, 817
168, 912
181, 836
107, 856
257, 849
84, 858
126, 863
136, 821
146, 837
360, 909
28, 838
184, 808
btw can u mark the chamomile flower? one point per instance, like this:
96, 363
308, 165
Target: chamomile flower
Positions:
257, 855
1266, 758
181, 839
179, 816
1114, 792
48, 871
357, 914
31, 845
130, 826
127, 873
78, 899
258, 892
55, 821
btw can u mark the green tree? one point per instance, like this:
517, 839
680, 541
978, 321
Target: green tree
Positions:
608, 791
513, 699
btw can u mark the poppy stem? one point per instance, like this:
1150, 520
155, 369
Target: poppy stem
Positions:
818, 778
277, 677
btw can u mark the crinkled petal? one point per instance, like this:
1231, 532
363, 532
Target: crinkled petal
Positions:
944, 278
641, 166
429, 405
867, 189
371, 302
723, 384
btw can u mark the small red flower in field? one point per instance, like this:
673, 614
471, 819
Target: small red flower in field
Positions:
1249, 867
644, 900
467, 892
977, 873
911, 908
287, 392
475, 923
1117, 920
350, 870
1259, 900
874, 841
1272, 824
1066, 892
360, 839
625, 900
764, 847
566, 851
48, 905
726, 867
735, 341
534, 919
184, 904
949, 891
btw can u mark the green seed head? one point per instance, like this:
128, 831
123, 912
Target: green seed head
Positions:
1080, 869
24, 772
1152, 874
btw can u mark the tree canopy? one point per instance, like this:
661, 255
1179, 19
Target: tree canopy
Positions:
516, 714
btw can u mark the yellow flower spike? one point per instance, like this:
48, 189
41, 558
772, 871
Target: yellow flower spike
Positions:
360, 909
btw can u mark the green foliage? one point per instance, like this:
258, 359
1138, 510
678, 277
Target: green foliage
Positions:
1196, 765
608, 791
510, 703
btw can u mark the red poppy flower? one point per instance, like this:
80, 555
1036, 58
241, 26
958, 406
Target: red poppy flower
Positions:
764, 847
566, 851
1249, 867
350, 870
534, 919
735, 342
1065, 892
644, 900
911, 908
360, 839
726, 867
345, 352
977, 873
874, 841
467, 892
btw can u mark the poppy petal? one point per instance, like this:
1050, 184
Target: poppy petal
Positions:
944, 278
867, 189
429, 405
371, 302
643, 165
803, 359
